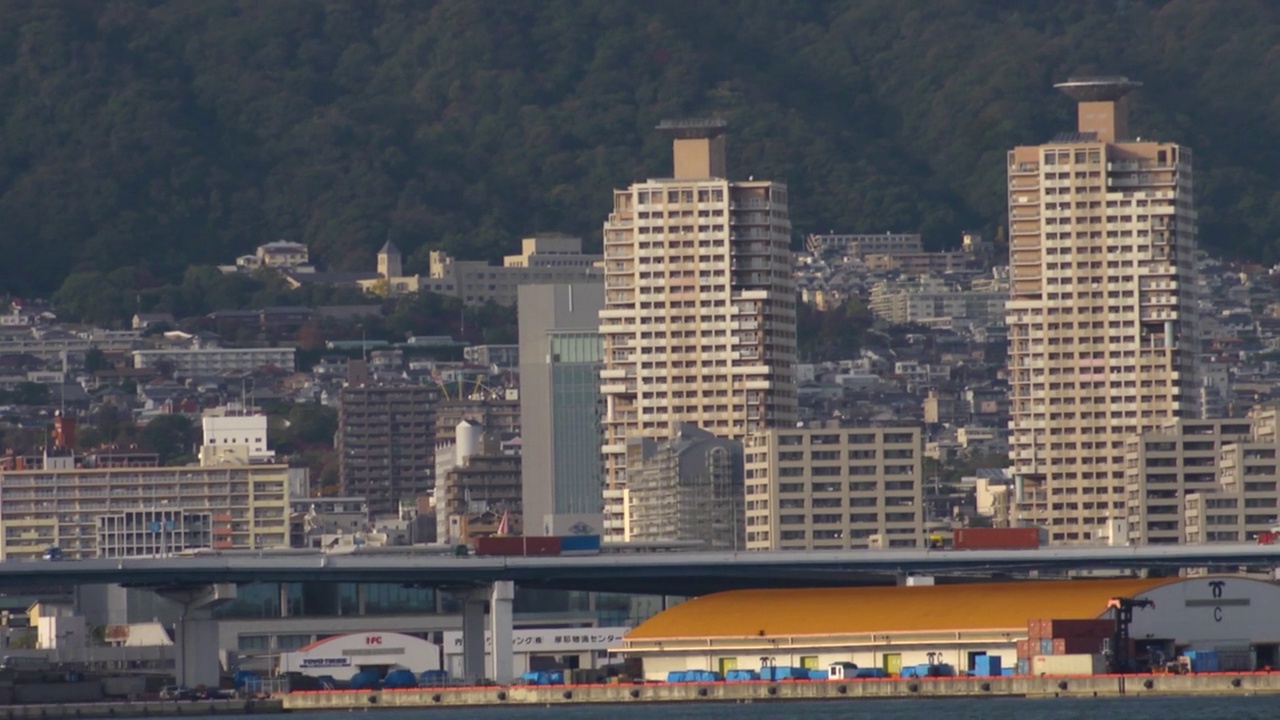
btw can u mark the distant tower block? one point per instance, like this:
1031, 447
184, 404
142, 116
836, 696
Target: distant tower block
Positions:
697, 146
1102, 105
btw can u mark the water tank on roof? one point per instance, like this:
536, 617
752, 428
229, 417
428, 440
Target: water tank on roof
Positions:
468, 436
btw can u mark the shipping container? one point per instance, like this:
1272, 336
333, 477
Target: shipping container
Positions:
506, 546
579, 544
1077, 628
1080, 664
1023, 649
1046, 647
517, 546
534, 546
1077, 645
995, 538
987, 666
1024, 666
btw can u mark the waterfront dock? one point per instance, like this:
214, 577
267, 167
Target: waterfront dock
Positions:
155, 709
760, 691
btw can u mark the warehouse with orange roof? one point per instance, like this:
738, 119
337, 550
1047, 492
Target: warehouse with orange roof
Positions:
892, 628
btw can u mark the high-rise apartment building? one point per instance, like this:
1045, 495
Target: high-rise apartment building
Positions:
386, 443
560, 407
699, 315
1102, 323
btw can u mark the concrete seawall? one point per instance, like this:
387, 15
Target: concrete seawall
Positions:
162, 708
760, 691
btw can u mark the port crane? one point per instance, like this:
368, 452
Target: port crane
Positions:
1121, 660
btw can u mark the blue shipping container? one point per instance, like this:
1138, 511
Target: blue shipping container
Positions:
741, 675
871, 673
1046, 646
579, 544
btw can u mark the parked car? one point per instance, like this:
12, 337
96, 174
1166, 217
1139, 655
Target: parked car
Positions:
177, 692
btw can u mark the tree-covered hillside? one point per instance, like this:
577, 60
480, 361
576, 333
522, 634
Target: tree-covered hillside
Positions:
149, 135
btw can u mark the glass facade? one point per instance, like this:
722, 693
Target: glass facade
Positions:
263, 600
575, 410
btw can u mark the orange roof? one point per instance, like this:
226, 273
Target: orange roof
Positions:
851, 611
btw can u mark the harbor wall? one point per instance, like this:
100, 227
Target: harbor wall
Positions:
760, 691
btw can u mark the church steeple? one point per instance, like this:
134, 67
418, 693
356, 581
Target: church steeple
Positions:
389, 261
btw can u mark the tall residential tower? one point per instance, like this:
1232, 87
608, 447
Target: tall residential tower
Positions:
1103, 336
699, 315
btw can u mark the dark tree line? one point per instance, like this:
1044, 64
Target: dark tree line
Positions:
143, 138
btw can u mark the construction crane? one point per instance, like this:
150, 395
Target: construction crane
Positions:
1121, 661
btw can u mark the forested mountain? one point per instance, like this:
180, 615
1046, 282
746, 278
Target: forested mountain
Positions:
152, 135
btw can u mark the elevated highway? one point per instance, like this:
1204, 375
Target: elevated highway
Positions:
671, 573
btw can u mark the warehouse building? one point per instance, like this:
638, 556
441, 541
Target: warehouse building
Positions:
899, 627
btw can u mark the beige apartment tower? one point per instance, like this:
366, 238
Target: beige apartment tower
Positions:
1103, 334
699, 316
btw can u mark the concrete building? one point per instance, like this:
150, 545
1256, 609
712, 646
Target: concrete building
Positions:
560, 405
834, 488
276, 255
699, 317
1102, 318
1245, 503
926, 299
895, 628
860, 245
198, 362
234, 431
475, 480
119, 512
386, 443
545, 258
1164, 468
502, 356
686, 488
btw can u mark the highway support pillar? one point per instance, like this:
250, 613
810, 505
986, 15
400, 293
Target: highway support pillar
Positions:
502, 631
196, 633
473, 641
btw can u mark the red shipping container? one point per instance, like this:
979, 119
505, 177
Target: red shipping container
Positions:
502, 546
1077, 646
1078, 628
541, 546
1022, 650
996, 538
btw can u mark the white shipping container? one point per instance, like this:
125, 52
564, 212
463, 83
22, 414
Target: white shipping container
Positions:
1068, 665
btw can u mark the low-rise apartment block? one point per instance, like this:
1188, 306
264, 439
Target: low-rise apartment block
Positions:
860, 245
197, 362
1245, 504
923, 300
1166, 468
686, 488
834, 488
120, 512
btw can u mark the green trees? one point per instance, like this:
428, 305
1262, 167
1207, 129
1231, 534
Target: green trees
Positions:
154, 136
173, 437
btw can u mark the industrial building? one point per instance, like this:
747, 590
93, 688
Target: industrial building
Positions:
893, 628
